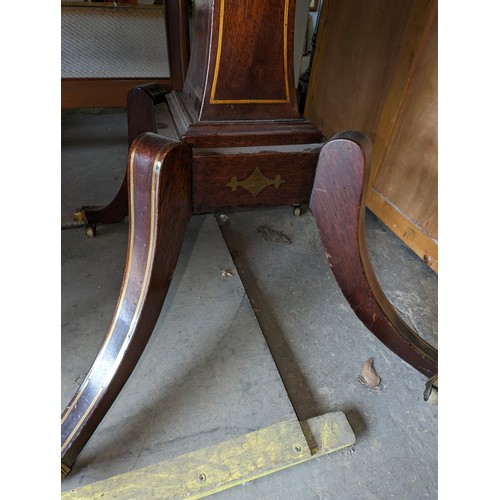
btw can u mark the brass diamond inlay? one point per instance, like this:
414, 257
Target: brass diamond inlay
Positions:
256, 182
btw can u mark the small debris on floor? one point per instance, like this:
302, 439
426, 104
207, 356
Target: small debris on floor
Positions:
273, 235
368, 374
225, 273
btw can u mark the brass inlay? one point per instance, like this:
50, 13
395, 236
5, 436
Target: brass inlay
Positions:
65, 470
82, 388
80, 216
109, 335
213, 100
256, 182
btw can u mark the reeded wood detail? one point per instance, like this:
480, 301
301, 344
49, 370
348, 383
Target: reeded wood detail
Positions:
338, 204
159, 174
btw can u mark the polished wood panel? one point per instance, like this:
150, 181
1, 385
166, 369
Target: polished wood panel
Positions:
338, 204
222, 151
235, 134
236, 177
177, 32
160, 207
194, 83
264, 76
257, 39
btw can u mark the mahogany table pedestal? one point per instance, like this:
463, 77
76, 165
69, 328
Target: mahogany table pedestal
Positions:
231, 138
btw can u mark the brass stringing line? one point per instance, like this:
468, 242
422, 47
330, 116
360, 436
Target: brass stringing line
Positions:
217, 65
73, 432
152, 233
146, 278
285, 58
219, 48
127, 273
77, 397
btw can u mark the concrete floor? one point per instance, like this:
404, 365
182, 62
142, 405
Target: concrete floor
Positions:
233, 354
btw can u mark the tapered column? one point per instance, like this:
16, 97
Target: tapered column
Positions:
241, 65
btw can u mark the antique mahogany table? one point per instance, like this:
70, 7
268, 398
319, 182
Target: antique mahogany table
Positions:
228, 136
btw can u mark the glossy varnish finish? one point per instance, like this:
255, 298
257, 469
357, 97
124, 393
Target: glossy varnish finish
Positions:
213, 134
338, 204
160, 208
227, 179
242, 67
177, 32
215, 155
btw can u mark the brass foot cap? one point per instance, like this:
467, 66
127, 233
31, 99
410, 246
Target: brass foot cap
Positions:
65, 470
79, 216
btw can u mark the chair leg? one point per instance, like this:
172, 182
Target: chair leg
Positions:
338, 204
159, 174
141, 118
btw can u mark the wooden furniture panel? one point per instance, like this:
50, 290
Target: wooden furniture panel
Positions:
407, 175
226, 179
230, 155
356, 54
375, 70
100, 92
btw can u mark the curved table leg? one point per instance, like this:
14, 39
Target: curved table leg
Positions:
141, 118
338, 204
159, 173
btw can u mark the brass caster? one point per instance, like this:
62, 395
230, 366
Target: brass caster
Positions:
433, 397
90, 230
297, 211
79, 216
431, 390
65, 470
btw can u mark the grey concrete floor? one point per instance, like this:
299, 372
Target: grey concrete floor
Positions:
232, 354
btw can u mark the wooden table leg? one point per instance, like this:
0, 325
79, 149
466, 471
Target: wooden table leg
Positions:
141, 118
159, 174
338, 204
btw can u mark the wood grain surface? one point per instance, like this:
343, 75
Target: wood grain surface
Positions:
160, 209
338, 204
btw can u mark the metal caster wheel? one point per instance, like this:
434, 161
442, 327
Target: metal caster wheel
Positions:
431, 391
90, 230
433, 397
